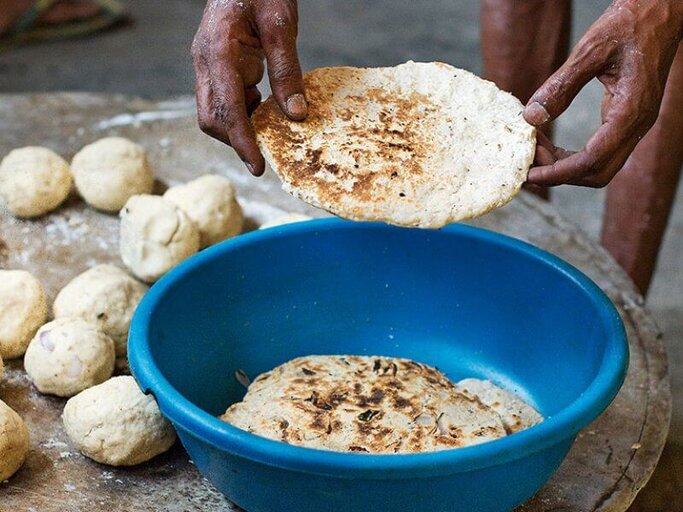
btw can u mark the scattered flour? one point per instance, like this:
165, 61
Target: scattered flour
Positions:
259, 211
53, 443
139, 118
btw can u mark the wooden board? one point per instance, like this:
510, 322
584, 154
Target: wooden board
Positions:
609, 463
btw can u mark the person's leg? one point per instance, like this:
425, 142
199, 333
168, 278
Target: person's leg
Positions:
66, 10
523, 43
640, 197
11, 10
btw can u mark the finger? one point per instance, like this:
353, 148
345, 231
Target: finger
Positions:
229, 110
204, 95
595, 165
543, 156
278, 37
583, 169
545, 150
543, 142
556, 94
609, 169
562, 171
251, 65
252, 99
606, 104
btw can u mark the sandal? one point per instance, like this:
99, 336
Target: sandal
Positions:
28, 29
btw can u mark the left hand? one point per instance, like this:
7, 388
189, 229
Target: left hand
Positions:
630, 49
228, 50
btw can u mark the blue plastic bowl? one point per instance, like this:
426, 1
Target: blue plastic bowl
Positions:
472, 302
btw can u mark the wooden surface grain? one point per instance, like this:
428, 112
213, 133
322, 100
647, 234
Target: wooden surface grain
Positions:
611, 460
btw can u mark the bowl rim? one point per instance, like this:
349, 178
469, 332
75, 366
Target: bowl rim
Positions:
553, 430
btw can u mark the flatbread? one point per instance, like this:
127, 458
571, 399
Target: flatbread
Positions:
514, 412
419, 144
363, 404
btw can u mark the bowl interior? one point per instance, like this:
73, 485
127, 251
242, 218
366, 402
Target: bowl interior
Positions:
472, 303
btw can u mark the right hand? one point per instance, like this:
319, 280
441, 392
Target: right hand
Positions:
630, 49
228, 52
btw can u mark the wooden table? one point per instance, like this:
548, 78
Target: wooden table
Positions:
611, 460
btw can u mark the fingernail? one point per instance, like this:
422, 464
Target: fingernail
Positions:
536, 114
296, 106
251, 168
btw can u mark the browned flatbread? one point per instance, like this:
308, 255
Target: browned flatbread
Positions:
514, 412
363, 404
420, 144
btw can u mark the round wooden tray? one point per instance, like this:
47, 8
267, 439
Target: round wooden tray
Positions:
610, 462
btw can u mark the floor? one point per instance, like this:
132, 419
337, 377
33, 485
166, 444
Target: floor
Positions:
150, 58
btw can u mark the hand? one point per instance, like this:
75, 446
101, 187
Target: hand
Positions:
228, 53
630, 49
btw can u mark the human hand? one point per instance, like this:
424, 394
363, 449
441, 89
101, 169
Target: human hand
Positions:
630, 49
228, 52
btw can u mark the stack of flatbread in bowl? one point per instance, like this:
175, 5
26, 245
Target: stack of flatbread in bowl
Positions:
376, 405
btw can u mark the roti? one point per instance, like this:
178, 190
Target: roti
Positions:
364, 404
419, 144
514, 412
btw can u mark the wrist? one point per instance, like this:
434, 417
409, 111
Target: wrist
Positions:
664, 17
678, 7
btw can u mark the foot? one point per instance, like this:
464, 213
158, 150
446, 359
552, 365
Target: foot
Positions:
62, 12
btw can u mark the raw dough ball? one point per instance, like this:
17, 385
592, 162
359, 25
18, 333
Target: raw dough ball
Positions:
69, 355
211, 204
115, 423
105, 295
111, 170
34, 181
13, 441
289, 218
22, 310
156, 235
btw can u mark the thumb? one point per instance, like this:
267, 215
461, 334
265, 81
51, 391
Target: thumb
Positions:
558, 91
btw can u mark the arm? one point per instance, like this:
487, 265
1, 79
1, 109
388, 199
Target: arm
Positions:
630, 49
228, 51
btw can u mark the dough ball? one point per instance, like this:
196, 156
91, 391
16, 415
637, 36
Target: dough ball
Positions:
69, 355
105, 295
13, 441
115, 423
156, 235
111, 170
34, 181
211, 204
22, 310
290, 218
